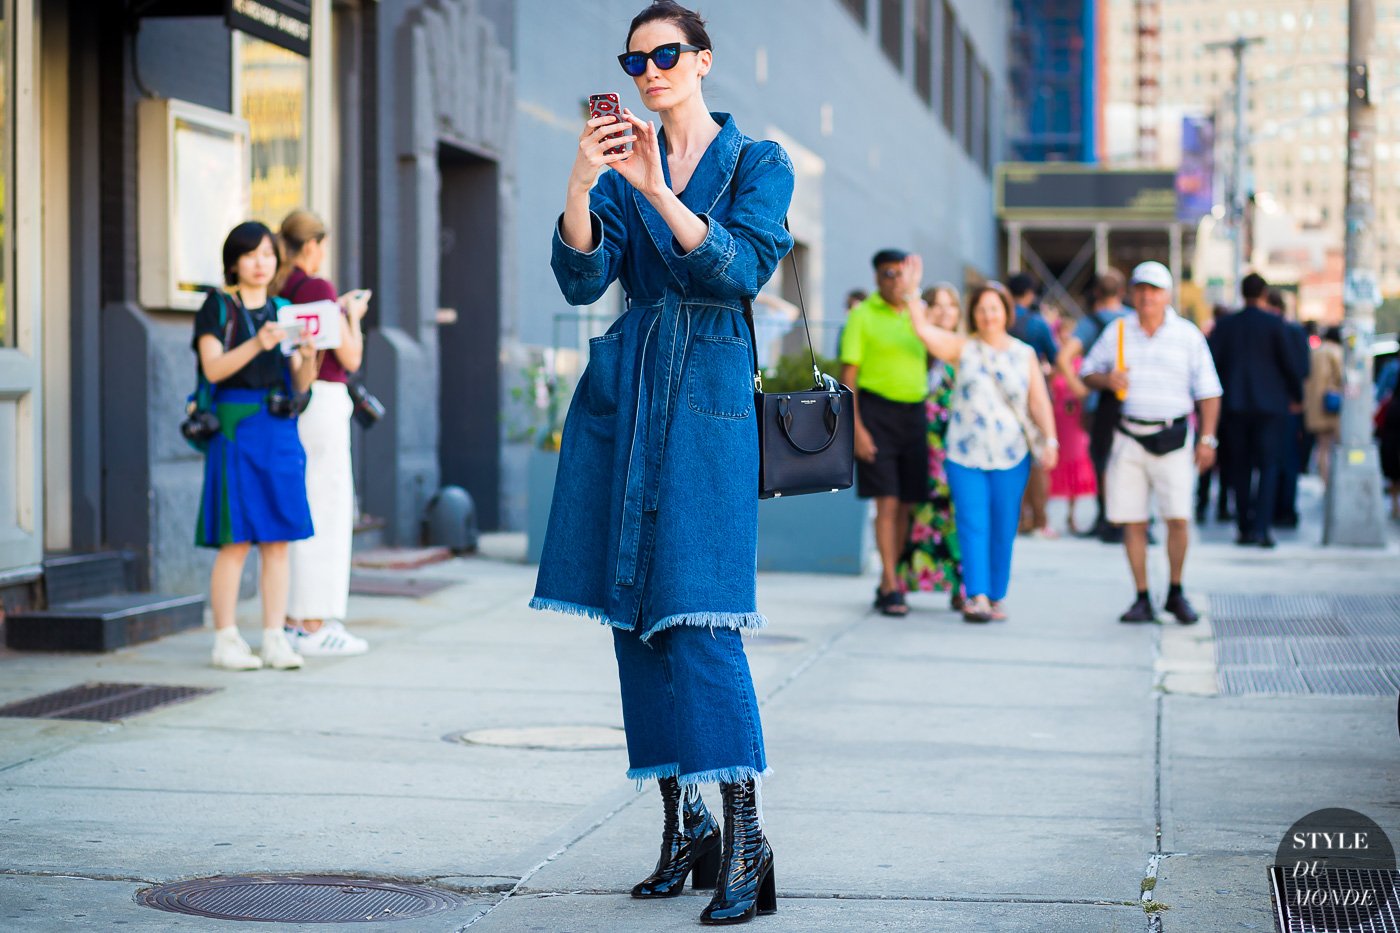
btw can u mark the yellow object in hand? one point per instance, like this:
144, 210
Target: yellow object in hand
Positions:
1122, 367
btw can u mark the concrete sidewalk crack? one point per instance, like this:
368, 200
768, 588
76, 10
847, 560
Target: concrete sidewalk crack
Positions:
84, 876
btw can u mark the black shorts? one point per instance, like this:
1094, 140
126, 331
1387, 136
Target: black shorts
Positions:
900, 433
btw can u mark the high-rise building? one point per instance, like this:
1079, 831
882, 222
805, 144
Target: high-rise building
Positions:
1295, 100
1053, 81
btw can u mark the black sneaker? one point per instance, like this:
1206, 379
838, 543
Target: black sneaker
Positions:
1140, 611
1178, 606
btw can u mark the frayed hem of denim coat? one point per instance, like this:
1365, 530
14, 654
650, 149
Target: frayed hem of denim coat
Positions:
724, 776
734, 620
573, 609
642, 775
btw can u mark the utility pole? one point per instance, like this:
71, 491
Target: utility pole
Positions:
1354, 493
1238, 46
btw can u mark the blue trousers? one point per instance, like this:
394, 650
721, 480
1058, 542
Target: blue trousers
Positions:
987, 504
688, 706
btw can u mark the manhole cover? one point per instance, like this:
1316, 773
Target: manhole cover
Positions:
552, 738
298, 899
101, 702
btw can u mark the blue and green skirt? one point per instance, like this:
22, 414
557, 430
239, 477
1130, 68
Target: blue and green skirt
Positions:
254, 475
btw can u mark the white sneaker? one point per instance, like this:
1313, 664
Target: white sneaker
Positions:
277, 653
232, 653
331, 640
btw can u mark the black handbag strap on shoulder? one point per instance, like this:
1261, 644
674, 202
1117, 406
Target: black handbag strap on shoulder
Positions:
817, 381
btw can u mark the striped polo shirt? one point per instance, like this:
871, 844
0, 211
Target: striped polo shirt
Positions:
1168, 372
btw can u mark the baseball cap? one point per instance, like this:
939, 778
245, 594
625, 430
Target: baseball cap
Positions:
1152, 273
887, 256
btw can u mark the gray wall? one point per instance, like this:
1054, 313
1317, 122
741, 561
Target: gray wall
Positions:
892, 175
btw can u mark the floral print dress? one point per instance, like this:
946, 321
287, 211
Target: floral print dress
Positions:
932, 561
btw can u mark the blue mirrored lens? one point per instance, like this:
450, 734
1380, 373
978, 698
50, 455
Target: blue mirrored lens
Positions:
666, 56
634, 63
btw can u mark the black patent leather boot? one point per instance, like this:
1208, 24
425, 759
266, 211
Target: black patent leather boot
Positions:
745, 887
689, 849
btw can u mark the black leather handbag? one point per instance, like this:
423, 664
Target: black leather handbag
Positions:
806, 440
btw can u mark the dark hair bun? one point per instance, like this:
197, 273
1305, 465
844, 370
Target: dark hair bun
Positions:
691, 25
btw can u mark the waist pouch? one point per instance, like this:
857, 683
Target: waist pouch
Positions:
1170, 438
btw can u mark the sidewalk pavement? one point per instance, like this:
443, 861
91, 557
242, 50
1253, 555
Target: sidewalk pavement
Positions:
929, 775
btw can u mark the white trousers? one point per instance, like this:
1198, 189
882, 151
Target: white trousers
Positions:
320, 565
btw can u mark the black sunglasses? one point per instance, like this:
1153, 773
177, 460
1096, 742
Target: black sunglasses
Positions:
665, 56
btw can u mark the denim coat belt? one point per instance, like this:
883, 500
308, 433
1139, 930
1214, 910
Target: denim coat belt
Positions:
654, 518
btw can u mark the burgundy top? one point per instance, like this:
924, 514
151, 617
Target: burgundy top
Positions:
302, 289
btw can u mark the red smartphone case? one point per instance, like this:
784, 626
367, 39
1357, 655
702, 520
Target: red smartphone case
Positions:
602, 105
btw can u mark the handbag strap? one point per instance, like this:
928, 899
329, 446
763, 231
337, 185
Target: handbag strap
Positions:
817, 381
1028, 430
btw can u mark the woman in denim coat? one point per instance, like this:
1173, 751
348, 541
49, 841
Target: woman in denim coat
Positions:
654, 524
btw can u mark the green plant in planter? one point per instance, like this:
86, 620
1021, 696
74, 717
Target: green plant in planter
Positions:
793, 372
537, 409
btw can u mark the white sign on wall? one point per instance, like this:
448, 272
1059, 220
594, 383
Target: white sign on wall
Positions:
193, 188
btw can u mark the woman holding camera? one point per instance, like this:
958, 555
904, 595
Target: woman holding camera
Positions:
654, 525
254, 467
320, 565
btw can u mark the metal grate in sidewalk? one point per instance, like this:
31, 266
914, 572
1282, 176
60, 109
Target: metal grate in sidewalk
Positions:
101, 702
1346, 900
1316, 644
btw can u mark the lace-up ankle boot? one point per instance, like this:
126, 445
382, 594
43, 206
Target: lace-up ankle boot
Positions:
687, 848
745, 888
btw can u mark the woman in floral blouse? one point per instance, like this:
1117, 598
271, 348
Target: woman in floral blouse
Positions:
931, 561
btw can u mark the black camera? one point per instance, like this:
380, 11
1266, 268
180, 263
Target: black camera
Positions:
368, 409
282, 405
199, 426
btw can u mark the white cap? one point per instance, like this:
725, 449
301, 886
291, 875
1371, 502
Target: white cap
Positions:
1152, 273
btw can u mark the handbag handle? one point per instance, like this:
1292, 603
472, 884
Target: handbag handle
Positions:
833, 419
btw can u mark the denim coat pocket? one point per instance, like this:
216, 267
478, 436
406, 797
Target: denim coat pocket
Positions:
604, 373
720, 383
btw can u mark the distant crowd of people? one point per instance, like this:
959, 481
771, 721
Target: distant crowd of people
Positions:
972, 416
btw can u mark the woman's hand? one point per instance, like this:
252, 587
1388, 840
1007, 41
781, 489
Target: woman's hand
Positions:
911, 278
270, 335
305, 353
643, 170
599, 135
1051, 457
355, 304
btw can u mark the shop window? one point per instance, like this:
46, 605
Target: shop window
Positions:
274, 90
950, 46
892, 31
923, 49
967, 125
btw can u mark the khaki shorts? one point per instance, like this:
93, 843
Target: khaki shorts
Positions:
1134, 476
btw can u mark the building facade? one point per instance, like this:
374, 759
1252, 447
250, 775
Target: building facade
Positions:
435, 137
1295, 106
1054, 64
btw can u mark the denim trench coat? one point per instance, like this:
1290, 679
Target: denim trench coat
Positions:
655, 514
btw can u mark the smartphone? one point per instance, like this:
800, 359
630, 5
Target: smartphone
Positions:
610, 104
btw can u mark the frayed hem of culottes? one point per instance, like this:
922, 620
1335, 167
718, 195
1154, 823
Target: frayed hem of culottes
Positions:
735, 620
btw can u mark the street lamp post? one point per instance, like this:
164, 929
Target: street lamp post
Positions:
1238, 46
1354, 504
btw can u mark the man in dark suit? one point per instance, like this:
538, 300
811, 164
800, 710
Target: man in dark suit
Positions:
1260, 370
1292, 460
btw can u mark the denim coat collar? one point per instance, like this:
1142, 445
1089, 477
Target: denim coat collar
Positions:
707, 183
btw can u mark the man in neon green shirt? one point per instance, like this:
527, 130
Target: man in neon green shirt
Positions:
887, 364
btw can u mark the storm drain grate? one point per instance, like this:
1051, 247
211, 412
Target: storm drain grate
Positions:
298, 899
101, 702
410, 588
1322, 643
1328, 902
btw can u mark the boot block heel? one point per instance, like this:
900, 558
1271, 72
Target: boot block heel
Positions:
768, 894
704, 872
